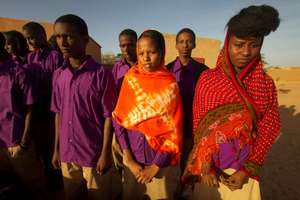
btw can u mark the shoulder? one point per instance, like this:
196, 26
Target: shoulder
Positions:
170, 65
199, 65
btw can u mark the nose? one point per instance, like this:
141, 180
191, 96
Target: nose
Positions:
246, 50
146, 57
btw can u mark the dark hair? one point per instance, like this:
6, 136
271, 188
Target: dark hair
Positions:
254, 21
52, 41
19, 38
35, 28
129, 32
78, 23
158, 39
2, 41
186, 30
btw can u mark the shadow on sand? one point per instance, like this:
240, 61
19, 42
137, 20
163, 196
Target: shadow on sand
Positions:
281, 173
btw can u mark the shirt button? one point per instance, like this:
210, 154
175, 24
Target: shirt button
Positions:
70, 122
70, 140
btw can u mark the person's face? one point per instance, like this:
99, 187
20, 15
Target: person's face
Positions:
34, 40
148, 55
12, 47
69, 41
243, 51
185, 44
128, 47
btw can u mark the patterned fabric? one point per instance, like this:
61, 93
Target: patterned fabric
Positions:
150, 103
251, 87
225, 123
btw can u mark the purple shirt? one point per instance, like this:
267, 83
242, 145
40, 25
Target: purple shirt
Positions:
16, 93
231, 156
139, 147
118, 71
133, 140
83, 99
41, 66
186, 78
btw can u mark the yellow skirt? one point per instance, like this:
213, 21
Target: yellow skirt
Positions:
250, 191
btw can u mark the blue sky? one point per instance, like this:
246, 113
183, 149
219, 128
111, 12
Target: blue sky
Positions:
106, 18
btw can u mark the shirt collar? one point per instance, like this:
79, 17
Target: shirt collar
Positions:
89, 63
178, 66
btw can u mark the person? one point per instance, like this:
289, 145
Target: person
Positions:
235, 110
83, 99
16, 46
41, 64
149, 123
186, 71
17, 153
127, 44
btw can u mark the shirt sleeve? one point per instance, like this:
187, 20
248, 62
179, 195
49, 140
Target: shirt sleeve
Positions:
121, 134
162, 159
25, 86
108, 98
267, 131
56, 96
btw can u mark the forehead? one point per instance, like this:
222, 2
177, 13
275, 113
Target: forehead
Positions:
146, 42
127, 39
30, 33
64, 28
233, 38
185, 35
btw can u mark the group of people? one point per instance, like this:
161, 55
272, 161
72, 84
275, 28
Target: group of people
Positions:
165, 131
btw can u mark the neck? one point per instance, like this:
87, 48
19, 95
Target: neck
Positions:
131, 61
77, 62
184, 60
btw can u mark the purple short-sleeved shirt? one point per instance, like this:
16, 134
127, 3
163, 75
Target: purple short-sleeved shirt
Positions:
16, 93
41, 66
119, 70
186, 80
83, 99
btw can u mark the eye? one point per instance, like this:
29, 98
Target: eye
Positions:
238, 45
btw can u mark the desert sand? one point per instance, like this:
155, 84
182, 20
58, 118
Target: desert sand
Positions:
281, 173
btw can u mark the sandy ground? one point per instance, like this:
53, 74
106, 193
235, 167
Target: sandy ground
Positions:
281, 173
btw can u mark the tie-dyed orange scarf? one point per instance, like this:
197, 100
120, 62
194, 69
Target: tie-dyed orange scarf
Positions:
150, 103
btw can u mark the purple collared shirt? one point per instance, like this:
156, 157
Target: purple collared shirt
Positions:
83, 99
119, 70
139, 147
186, 80
16, 93
41, 66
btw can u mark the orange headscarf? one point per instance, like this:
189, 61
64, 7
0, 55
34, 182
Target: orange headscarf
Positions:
150, 103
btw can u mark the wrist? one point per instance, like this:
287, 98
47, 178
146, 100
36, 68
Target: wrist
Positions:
24, 146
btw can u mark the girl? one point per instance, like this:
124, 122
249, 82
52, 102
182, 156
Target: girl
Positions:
149, 107
16, 46
235, 111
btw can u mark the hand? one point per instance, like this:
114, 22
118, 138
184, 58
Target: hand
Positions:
103, 164
18, 151
56, 160
210, 179
236, 180
133, 166
146, 175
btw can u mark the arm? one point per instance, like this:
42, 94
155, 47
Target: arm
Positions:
26, 138
104, 161
55, 158
267, 131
